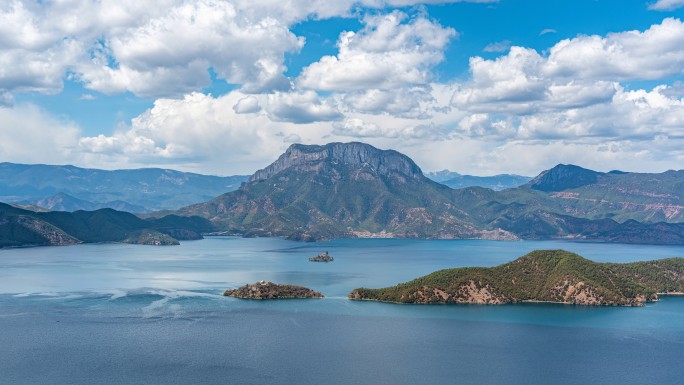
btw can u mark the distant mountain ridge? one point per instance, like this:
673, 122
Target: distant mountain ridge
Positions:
356, 190
494, 182
622, 196
65, 202
139, 190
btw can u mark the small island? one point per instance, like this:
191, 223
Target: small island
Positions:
270, 290
541, 276
323, 257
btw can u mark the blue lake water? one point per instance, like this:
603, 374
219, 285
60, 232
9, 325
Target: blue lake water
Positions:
126, 314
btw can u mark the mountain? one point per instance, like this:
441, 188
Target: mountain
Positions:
20, 227
564, 177
496, 182
150, 189
621, 196
66, 202
342, 190
542, 275
356, 190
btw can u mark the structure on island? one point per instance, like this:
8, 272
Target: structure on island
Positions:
323, 257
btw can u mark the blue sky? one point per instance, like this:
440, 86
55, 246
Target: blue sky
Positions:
223, 87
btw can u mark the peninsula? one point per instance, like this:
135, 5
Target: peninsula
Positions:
541, 276
270, 290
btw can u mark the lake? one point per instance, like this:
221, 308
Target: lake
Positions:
128, 314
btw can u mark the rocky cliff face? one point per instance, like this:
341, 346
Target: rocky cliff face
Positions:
361, 155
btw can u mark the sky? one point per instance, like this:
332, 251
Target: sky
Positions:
223, 87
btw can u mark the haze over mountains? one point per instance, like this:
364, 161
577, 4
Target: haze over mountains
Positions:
69, 188
494, 182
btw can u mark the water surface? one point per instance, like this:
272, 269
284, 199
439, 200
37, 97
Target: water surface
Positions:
125, 314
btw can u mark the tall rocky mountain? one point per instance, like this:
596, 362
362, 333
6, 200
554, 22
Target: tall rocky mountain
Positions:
342, 190
72, 188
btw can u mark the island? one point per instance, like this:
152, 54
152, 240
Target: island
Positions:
541, 276
323, 257
270, 290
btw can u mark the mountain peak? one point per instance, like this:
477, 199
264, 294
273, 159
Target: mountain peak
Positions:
564, 177
355, 154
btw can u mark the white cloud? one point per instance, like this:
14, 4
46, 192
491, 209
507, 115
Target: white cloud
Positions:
292, 138
156, 49
546, 31
413, 102
300, 107
198, 133
247, 105
357, 128
29, 134
390, 52
655, 53
511, 83
499, 46
575, 73
666, 5
171, 54
151, 49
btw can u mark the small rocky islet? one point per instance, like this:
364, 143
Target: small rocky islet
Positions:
322, 257
270, 290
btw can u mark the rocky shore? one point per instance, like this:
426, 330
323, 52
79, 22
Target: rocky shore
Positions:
270, 290
323, 257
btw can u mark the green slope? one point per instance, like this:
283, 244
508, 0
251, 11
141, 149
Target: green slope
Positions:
20, 227
543, 275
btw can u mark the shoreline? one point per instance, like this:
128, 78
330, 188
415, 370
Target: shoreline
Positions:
513, 303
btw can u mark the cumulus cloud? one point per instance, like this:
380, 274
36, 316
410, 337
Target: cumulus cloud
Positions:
575, 73
171, 53
199, 133
655, 53
666, 5
300, 107
29, 134
156, 49
391, 51
247, 105
152, 50
413, 102
357, 128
